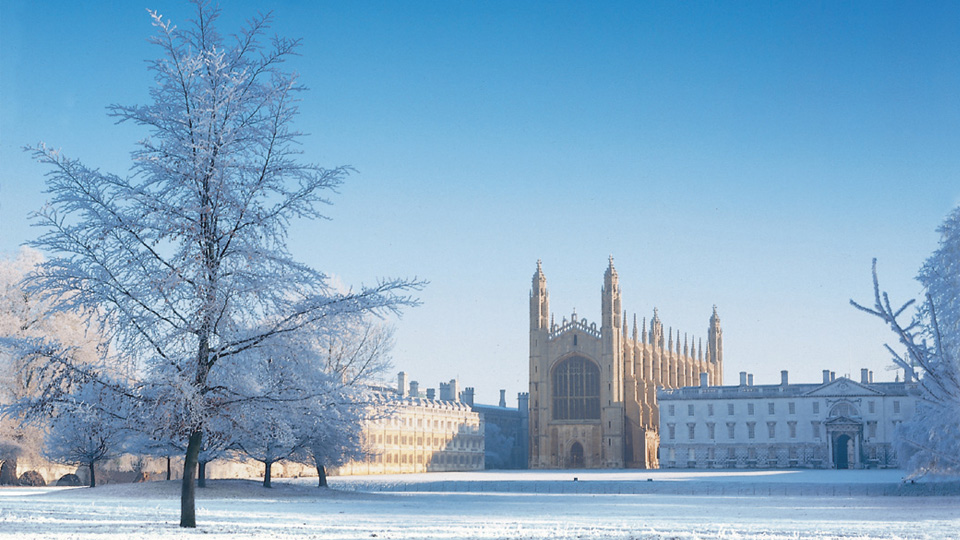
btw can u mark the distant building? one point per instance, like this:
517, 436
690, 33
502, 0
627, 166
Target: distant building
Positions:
837, 423
593, 388
505, 429
422, 435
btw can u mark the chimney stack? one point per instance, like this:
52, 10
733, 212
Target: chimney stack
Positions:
784, 377
826, 376
402, 384
431, 393
743, 378
503, 398
750, 379
864, 376
414, 389
704, 379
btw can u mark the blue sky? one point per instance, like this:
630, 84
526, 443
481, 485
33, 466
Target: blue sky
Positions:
755, 156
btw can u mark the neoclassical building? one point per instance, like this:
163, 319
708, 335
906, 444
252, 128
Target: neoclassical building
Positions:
593, 388
838, 423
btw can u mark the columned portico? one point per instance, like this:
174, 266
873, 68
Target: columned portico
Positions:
845, 435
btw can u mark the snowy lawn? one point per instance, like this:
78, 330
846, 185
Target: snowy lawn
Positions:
522, 504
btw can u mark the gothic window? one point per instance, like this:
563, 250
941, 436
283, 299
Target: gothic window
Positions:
576, 390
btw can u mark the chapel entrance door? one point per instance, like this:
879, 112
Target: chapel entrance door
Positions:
841, 452
576, 456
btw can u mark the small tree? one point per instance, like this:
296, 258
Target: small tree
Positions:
186, 258
931, 340
86, 429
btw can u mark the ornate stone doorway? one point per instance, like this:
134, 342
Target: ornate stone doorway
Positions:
841, 451
576, 456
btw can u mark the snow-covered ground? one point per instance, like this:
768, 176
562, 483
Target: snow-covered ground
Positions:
488, 505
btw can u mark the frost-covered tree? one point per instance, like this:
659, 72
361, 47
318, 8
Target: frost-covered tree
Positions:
88, 427
25, 316
931, 340
185, 259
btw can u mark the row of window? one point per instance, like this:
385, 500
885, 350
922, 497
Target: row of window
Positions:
842, 409
437, 459
752, 430
435, 442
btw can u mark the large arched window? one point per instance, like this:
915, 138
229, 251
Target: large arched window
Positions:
844, 409
576, 390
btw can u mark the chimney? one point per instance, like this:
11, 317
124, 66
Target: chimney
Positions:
414, 389
445, 393
750, 379
833, 375
871, 377
503, 398
431, 393
467, 396
826, 376
864, 376
743, 378
704, 380
784, 378
402, 384
454, 390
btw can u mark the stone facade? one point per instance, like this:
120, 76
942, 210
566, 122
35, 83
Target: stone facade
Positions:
420, 435
593, 389
837, 423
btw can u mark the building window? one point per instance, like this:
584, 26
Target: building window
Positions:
576, 390
692, 455
771, 408
751, 430
872, 429
816, 429
872, 406
709, 409
691, 431
671, 410
731, 453
793, 429
671, 431
731, 429
690, 410
771, 430
844, 409
816, 407
792, 408
710, 431
896, 406
750, 409
730, 409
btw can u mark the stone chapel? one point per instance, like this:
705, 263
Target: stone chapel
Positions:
593, 389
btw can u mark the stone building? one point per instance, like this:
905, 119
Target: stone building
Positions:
837, 423
505, 431
420, 434
593, 388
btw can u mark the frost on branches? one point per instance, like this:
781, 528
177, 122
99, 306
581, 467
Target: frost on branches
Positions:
26, 319
185, 260
932, 342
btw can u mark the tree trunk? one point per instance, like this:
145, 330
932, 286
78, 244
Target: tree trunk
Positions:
93, 476
266, 474
188, 510
168, 467
202, 474
322, 474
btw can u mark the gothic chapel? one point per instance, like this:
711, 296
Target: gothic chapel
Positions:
593, 390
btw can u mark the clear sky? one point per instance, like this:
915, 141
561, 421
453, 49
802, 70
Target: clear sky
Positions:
755, 156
